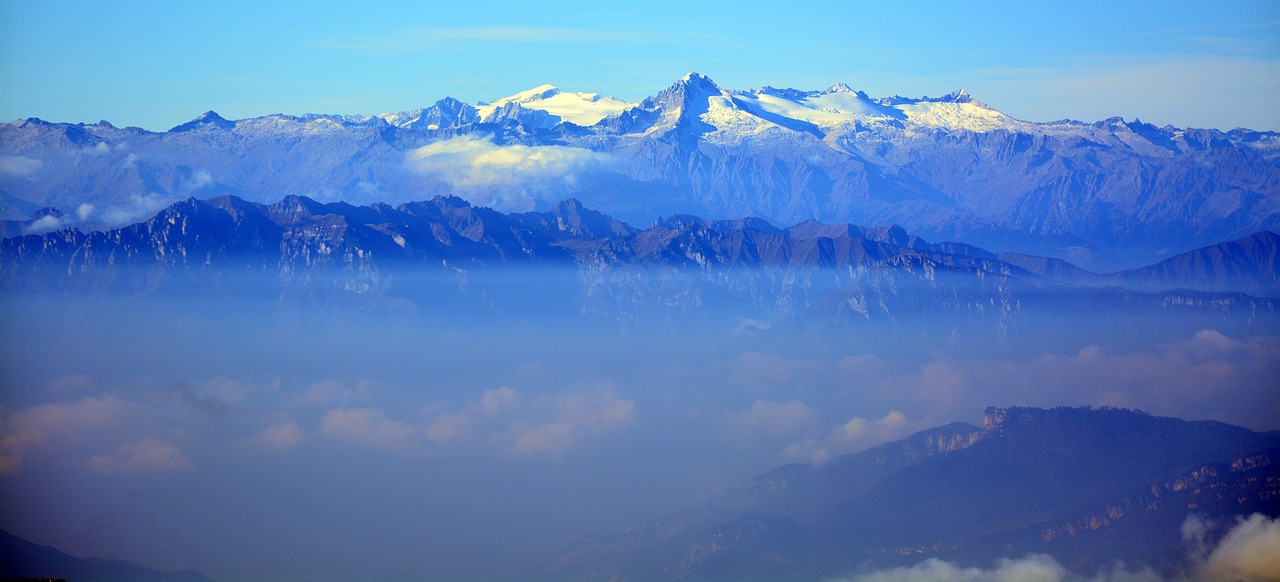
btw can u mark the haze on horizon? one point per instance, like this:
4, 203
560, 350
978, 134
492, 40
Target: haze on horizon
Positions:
256, 433
254, 439
156, 65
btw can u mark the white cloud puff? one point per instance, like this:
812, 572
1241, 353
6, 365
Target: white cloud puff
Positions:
574, 418
597, 411
1248, 553
19, 166
278, 437
446, 427
197, 180
502, 418
100, 149
855, 435
498, 399
367, 427
147, 455
553, 438
760, 371
61, 422
770, 419
506, 177
46, 223
1034, 568
137, 208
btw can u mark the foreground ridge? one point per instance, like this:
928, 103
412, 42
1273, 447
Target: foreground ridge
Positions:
1079, 484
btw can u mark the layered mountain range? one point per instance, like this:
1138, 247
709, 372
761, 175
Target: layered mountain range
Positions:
1105, 195
445, 255
1091, 487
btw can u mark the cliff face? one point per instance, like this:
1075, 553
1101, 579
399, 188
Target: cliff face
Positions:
1143, 525
1089, 486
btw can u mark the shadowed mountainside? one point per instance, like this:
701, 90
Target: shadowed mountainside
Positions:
1088, 486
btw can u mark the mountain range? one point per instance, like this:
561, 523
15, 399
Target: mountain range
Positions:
1090, 487
447, 258
1107, 195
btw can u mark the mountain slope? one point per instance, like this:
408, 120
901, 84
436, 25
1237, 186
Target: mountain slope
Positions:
20, 558
960, 492
1249, 265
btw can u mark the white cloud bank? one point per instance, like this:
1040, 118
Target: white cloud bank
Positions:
544, 425
1250, 552
505, 177
564, 421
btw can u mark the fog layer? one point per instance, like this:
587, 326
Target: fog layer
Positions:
292, 436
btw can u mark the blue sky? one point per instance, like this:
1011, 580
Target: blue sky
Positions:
157, 64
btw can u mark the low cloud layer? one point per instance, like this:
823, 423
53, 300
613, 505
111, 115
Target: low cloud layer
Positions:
506, 177
555, 424
147, 455
1250, 552
1246, 554
368, 427
137, 208
58, 426
855, 435
501, 418
766, 418
19, 166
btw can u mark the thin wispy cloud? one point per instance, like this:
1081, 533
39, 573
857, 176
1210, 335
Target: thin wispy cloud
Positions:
1196, 30
147, 455
428, 37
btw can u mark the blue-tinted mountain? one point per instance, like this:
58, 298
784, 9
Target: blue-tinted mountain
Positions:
445, 255
1107, 195
1250, 265
1078, 484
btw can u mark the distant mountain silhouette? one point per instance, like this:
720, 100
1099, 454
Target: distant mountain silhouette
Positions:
20, 558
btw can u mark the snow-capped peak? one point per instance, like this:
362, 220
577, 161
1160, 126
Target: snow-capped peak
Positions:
955, 110
207, 118
583, 109
535, 94
838, 105
696, 103
687, 92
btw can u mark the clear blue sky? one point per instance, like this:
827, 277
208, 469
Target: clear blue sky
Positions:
157, 64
